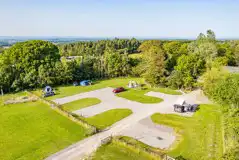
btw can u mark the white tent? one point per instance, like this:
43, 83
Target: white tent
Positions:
180, 101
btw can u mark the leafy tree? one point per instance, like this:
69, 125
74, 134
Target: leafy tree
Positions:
155, 66
20, 64
146, 45
188, 69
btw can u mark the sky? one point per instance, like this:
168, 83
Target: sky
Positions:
119, 18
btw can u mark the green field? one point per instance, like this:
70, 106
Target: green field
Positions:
138, 95
81, 103
201, 135
106, 119
118, 151
34, 131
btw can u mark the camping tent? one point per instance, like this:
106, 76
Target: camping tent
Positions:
180, 102
85, 83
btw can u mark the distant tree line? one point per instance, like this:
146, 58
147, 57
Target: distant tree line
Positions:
176, 64
97, 48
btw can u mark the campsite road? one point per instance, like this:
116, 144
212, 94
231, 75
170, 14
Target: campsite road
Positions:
127, 126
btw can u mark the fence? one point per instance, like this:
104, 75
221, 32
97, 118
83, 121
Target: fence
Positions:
58, 108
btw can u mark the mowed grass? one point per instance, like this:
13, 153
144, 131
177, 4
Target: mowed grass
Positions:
106, 119
201, 135
34, 131
81, 103
139, 96
166, 91
117, 151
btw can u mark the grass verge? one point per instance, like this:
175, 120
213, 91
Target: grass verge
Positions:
106, 119
81, 103
34, 131
201, 135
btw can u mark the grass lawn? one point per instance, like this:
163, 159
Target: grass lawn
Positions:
166, 91
106, 119
138, 95
201, 135
34, 131
81, 103
117, 151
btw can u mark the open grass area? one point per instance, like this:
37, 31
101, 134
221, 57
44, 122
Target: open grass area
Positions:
118, 151
34, 131
81, 103
138, 95
201, 135
106, 119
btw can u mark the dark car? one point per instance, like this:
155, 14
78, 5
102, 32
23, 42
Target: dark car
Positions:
118, 90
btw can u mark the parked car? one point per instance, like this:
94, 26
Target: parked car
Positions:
118, 90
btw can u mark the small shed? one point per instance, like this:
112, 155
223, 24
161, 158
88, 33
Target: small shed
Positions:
85, 83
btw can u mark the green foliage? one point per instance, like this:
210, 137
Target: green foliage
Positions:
146, 45
154, 66
231, 133
97, 48
106, 119
116, 64
34, 131
222, 87
22, 63
187, 70
200, 135
81, 103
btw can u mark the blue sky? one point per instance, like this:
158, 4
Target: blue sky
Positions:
119, 18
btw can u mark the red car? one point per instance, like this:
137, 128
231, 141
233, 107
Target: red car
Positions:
118, 90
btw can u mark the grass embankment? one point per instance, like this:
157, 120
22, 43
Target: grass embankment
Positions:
34, 131
106, 119
81, 103
201, 135
118, 149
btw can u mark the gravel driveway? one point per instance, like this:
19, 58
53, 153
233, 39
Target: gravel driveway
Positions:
138, 125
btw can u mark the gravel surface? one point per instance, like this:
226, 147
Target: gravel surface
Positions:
137, 125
